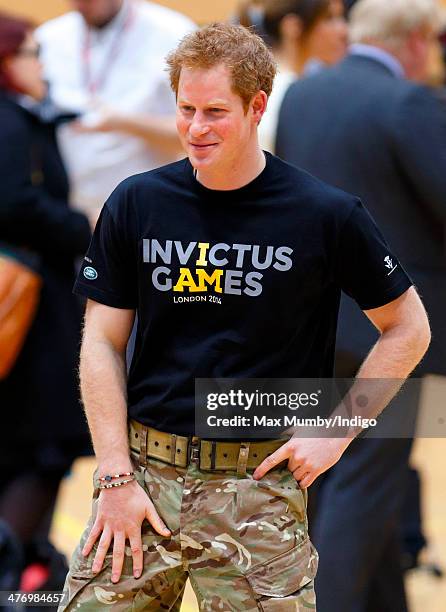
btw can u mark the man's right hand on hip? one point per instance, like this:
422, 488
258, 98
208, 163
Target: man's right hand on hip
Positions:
121, 511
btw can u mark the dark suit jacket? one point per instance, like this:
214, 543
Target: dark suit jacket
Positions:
359, 127
40, 397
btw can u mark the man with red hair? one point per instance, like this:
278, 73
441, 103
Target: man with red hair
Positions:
234, 261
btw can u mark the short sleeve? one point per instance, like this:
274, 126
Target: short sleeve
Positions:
366, 269
109, 270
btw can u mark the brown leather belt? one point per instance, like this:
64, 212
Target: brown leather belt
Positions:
210, 455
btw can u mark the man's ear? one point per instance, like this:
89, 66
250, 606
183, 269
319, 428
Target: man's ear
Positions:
419, 46
258, 105
414, 40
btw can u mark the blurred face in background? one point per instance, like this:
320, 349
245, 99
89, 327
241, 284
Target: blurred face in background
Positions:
328, 38
97, 13
24, 70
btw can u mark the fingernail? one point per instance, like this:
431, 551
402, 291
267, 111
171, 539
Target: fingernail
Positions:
95, 569
115, 578
137, 573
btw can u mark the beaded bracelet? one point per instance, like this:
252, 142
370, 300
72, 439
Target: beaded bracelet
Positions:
110, 477
116, 484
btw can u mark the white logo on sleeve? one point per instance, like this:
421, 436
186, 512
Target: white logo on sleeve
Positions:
389, 264
90, 273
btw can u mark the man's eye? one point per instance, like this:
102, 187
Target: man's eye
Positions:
187, 108
216, 110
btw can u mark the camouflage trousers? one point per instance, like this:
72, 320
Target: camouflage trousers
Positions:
243, 543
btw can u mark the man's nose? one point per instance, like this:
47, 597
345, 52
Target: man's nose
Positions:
199, 126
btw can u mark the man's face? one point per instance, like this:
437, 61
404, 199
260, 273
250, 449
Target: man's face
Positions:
97, 13
213, 125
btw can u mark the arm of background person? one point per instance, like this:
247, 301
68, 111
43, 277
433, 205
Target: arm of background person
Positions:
159, 131
28, 214
419, 133
121, 510
404, 339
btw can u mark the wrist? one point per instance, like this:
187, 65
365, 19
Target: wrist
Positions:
129, 487
341, 444
115, 466
120, 122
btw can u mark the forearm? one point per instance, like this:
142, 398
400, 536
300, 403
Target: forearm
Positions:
395, 355
103, 388
382, 374
157, 130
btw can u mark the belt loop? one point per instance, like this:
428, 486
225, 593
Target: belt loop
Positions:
193, 448
213, 454
305, 494
143, 446
242, 461
173, 448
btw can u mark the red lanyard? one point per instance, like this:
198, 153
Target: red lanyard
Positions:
94, 85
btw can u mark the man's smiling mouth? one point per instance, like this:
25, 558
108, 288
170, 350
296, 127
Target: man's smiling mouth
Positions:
203, 145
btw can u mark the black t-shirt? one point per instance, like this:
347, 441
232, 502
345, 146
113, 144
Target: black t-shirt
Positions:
239, 284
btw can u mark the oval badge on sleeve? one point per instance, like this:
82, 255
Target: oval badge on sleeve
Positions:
90, 273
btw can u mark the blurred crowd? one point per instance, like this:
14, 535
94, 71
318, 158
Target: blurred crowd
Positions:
359, 101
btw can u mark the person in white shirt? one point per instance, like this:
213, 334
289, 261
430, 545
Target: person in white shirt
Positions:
105, 62
305, 35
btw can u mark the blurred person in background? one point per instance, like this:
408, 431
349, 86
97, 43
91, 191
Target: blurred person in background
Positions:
416, 552
105, 61
305, 35
43, 428
368, 126
349, 5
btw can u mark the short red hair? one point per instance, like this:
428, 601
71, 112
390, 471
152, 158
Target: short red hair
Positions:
250, 61
13, 31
